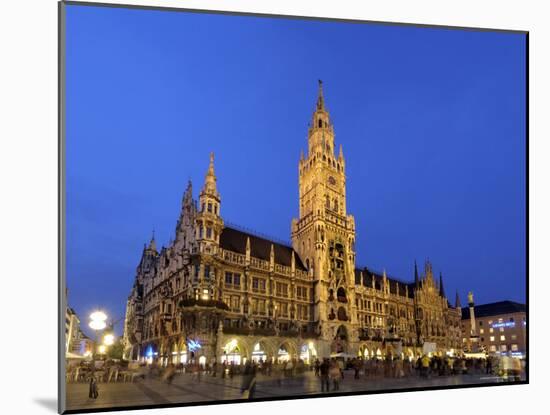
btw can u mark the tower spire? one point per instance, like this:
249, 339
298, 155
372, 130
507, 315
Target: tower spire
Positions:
415, 274
457, 300
441, 289
320, 98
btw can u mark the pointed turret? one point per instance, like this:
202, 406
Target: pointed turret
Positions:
208, 222
441, 289
428, 274
210, 179
247, 252
152, 243
272, 258
457, 300
416, 280
188, 195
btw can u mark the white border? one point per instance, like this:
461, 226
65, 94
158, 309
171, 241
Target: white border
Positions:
28, 225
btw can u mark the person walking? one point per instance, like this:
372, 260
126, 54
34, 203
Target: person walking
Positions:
324, 374
335, 373
317, 365
356, 368
231, 369
340, 364
248, 384
425, 366
169, 373
489, 365
93, 391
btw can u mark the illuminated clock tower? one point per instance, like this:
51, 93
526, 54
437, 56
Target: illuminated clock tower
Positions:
324, 235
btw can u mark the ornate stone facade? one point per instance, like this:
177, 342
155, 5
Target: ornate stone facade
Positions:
217, 292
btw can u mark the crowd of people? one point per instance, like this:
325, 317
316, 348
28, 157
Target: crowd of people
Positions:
332, 371
503, 367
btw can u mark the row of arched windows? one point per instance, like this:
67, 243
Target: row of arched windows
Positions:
330, 161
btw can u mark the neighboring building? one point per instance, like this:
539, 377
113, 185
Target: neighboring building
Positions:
86, 345
72, 331
500, 327
218, 292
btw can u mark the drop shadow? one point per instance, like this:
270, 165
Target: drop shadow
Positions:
48, 403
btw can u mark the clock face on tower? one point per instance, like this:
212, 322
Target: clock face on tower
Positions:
331, 181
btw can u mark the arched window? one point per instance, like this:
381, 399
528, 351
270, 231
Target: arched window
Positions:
341, 295
320, 123
307, 264
342, 316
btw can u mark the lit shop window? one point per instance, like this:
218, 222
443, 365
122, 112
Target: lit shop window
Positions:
502, 347
501, 329
502, 338
492, 338
493, 348
481, 331
491, 330
514, 347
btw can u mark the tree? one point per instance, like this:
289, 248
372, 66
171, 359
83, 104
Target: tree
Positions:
115, 351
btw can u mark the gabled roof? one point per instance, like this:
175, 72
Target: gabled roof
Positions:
494, 309
234, 240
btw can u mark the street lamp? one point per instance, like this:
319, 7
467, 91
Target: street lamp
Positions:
97, 322
109, 339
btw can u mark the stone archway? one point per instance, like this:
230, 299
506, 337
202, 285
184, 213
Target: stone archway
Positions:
364, 352
308, 352
287, 350
234, 350
262, 350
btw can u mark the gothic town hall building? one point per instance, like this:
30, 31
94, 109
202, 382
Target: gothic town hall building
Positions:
220, 293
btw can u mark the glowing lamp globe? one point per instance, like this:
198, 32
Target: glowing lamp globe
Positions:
97, 325
109, 339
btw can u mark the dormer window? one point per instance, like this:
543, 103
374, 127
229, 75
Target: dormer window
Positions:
210, 207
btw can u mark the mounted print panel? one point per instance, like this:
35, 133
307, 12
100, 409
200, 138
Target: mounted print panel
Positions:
277, 207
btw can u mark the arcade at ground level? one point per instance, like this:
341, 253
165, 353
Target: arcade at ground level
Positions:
234, 349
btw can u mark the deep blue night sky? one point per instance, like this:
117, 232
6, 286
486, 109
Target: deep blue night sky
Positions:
432, 123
